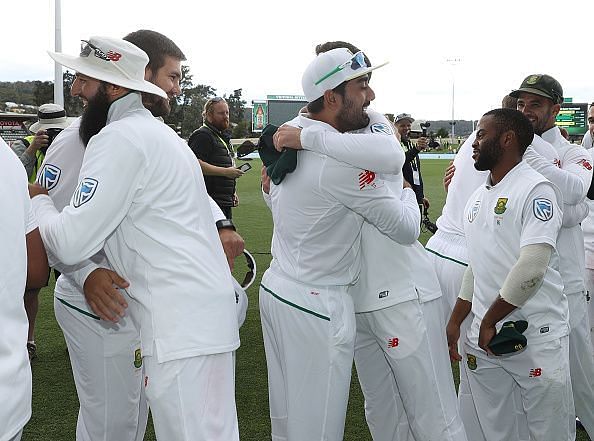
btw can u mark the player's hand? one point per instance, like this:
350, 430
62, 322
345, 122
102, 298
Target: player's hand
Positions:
449, 174
406, 184
422, 143
486, 334
265, 180
232, 172
102, 294
233, 244
426, 203
35, 190
287, 137
40, 141
453, 335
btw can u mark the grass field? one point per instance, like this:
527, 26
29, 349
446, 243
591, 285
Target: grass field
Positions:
55, 404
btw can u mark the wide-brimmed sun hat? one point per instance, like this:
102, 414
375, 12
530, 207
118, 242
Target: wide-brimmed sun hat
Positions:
50, 116
112, 60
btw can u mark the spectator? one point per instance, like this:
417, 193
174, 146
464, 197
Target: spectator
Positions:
412, 164
212, 146
31, 149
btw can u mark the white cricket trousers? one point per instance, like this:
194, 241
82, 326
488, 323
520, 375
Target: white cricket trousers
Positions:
590, 287
449, 256
309, 334
192, 399
542, 373
107, 370
404, 370
581, 361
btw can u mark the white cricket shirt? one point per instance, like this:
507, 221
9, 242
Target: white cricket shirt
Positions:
391, 272
17, 221
318, 212
520, 210
142, 198
574, 184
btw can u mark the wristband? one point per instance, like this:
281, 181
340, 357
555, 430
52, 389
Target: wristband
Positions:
225, 223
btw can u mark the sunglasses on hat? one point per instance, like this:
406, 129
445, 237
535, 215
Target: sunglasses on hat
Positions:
356, 62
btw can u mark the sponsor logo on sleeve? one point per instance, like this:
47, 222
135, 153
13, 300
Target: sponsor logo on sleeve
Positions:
85, 192
543, 209
585, 163
49, 176
381, 128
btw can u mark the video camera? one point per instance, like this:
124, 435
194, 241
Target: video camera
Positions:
51, 135
424, 126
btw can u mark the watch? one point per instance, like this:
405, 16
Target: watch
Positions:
225, 223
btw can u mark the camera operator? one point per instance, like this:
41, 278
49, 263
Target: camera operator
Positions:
31, 149
411, 169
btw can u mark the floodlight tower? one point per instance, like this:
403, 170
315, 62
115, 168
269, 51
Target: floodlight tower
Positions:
453, 62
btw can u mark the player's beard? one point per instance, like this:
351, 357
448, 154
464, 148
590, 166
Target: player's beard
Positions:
489, 154
157, 105
94, 116
350, 117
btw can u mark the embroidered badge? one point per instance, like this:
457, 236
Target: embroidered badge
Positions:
85, 191
543, 209
532, 79
500, 206
474, 211
471, 362
49, 176
137, 358
381, 128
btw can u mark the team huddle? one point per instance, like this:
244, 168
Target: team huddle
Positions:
123, 213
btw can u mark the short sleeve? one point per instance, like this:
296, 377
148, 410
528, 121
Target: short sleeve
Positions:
541, 217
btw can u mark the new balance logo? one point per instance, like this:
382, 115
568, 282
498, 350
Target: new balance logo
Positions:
536, 372
393, 342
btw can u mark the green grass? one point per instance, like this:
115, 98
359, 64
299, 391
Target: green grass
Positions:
55, 405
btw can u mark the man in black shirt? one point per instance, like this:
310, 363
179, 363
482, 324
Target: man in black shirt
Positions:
411, 170
211, 145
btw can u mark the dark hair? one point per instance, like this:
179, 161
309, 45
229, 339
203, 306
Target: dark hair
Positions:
317, 105
514, 120
157, 46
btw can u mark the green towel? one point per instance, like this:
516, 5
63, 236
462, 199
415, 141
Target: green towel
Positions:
278, 164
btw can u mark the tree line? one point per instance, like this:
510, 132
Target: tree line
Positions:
186, 109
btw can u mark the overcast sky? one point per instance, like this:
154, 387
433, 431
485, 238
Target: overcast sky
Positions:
263, 46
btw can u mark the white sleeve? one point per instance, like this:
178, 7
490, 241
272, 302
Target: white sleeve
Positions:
109, 179
573, 178
78, 273
541, 217
377, 149
31, 218
574, 214
366, 194
467, 285
217, 213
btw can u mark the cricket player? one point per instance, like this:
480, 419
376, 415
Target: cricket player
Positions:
511, 226
105, 356
539, 98
398, 309
158, 233
24, 263
318, 210
588, 229
449, 256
